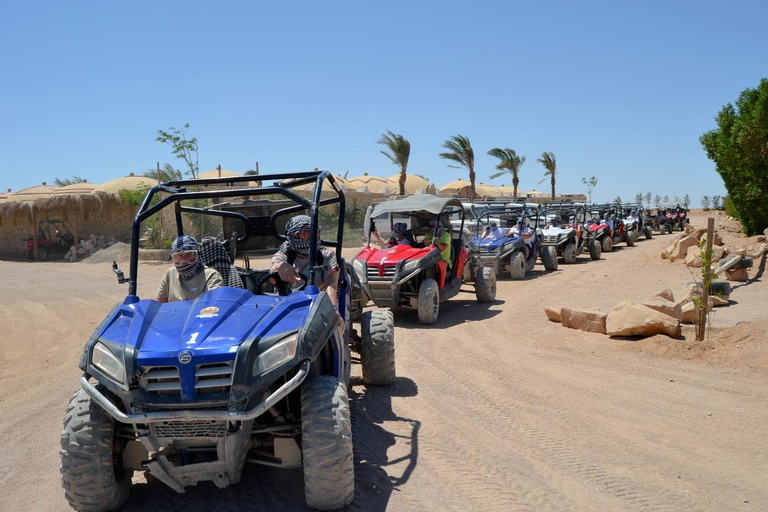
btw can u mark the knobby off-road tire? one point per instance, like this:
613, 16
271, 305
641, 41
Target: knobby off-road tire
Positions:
377, 347
42, 254
549, 257
745, 262
629, 238
517, 265
595, 250
485, 284
326, 440
607, 244
569, 253
429, 301
662, 229
669, 229
358, 302
91, 479
648, 232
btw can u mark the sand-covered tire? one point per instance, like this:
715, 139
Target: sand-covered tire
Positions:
326, 441
358, 302
662, 229
91, 479
517, 265
377, 347
569, 254
648, 232
549, 257
485, 284
595, 250
429, 301
607, 244
629, 238
745, 262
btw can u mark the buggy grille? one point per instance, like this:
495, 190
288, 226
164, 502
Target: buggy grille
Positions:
160, 380
213, 378
388, 274
550, 238
185, 429
488, 250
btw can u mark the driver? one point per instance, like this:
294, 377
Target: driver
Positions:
188, 278
399, 236
493, 231
441, 239
293, 258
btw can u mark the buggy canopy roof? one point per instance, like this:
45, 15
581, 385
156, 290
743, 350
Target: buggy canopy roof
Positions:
417, 202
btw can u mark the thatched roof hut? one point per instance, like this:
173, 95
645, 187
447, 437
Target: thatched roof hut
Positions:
413, 184
32, 193
130, 182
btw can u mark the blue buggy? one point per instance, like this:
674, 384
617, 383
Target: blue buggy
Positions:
520, 227
190, 391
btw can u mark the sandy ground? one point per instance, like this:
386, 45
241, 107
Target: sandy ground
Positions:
494, 407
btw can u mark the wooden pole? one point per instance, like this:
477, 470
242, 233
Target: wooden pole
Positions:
706, 284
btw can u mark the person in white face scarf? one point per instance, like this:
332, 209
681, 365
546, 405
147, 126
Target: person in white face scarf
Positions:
188, 278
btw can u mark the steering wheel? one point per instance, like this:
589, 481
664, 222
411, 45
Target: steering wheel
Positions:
282, 287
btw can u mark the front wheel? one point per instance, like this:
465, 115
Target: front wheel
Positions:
326, 440
648, 233
607, 244
517, 265
595, 250
91, 471
485, 284
377, 347
669, 229
42, 254
629, 238
549, 257
569, 253
429, 301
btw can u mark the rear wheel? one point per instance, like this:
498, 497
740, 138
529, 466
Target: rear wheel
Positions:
629, 238
517, 265
377, 347
91, 458
569, 253
429, 301
661, 229
648, 233
485, 284
326, 440
607, 244
669, 228
358, 302
42, 254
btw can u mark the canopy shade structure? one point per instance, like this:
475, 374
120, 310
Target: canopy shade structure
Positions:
417, 202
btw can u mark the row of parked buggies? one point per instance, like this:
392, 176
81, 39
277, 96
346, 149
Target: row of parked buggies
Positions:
190, 391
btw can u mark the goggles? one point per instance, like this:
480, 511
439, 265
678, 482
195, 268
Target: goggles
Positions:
184, 257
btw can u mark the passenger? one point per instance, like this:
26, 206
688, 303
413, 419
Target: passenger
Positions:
189, 277
399, 236
525, 233
493, 231
293, 258
441, 239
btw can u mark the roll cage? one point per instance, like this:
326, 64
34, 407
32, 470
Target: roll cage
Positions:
182, 190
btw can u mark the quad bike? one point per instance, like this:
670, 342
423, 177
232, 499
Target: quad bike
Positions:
417, 276
508, 253
189, 391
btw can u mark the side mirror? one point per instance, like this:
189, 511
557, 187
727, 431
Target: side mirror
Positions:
120, 278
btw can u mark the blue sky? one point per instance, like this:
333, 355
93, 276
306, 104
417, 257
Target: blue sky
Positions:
616, 89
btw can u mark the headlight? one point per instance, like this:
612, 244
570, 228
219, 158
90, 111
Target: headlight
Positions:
104, 360
411, 265
277, 354
359, 266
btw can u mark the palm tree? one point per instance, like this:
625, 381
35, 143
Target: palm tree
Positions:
68, 181
460, 150
399, 152
509, 162
549, 163
167, 173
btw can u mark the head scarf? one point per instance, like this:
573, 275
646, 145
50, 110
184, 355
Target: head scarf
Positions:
493, 225
187, 270
295, 226
437, 228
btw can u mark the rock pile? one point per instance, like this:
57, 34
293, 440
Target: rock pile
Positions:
659, 314
686, 246
89, 246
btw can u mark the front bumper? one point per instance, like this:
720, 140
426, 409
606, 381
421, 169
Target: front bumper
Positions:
194, 414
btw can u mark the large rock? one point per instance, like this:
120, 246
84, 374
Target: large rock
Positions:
666, 294
553, 313
681, 248
630, 319
586, 320
662, 305
690, 313
693, 258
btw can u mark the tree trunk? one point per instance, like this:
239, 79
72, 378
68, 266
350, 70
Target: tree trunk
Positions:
515, 182
402, 181
472, 184
553, 186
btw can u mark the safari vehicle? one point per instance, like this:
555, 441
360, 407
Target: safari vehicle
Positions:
606, 227
636, 220
53, 239
508, 253
189, 391
416, 276
564, 230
